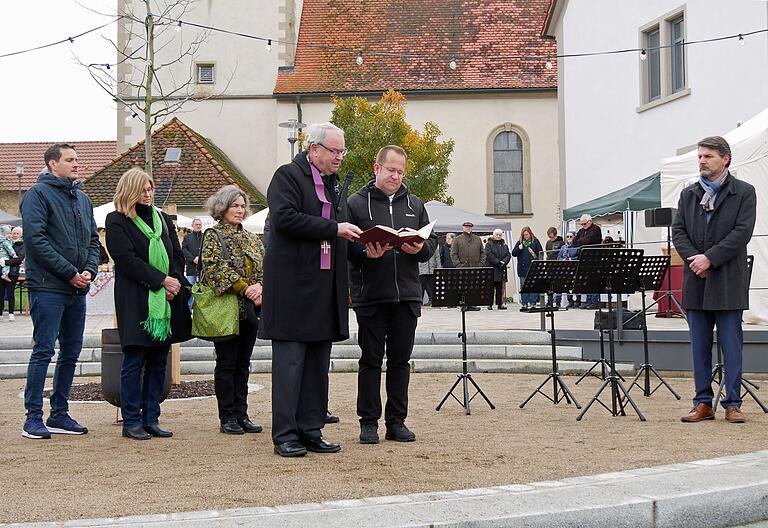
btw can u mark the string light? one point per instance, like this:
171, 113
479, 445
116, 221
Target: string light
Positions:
548, 64
178, 28
741, 39
452, 64
359, 59
643, 55
130, 118
269, 45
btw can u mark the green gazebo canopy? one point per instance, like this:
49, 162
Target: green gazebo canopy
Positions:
644, 194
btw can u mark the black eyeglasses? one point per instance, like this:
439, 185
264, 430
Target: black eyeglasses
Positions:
335, 152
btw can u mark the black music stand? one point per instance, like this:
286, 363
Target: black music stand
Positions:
650, 277
464, 287
609, 271
550, 276
718, 371
602, 362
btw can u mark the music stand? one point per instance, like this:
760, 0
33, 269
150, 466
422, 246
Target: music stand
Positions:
550, 276
719, 369
650, 277
463, 287
609, 271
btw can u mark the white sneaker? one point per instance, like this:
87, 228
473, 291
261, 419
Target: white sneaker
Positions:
11, 317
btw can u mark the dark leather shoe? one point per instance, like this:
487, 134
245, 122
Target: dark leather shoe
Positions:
701, 412
473, 308
501, 307
320, 445
231, 427
330, 418
136, 432
248, 426
369, 433
490, 307
154, 430
734, 415
399, 433
291, 448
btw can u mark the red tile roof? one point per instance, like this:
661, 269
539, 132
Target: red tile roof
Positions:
92, 156
203, 169
486, 36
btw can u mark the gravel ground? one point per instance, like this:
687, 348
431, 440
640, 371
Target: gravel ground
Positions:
103, 475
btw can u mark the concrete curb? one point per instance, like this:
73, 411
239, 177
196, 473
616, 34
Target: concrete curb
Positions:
720, 492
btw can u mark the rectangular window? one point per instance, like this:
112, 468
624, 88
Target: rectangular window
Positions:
677, 55
654, 64
205, 73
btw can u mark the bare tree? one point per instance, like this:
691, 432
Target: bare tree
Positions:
151, 79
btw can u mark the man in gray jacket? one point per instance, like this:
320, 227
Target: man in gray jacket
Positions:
467, 251
62, 256
714, 223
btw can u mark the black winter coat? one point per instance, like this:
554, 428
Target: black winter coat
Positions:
723, 240
14, 263
301, 301
497, 256
394, 276
524, 257
190, 247
134, 277
445, 256
588, 236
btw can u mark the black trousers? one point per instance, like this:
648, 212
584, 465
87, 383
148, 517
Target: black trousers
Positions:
233, 367
142, 377
8, 290
385, 329
498, 292
427, 285
299, 389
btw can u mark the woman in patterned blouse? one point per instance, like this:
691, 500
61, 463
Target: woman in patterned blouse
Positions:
240, 273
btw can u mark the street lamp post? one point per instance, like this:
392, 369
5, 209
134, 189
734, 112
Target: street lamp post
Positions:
293, 126
20, 175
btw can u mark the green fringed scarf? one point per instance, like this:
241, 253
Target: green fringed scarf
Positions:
158, 323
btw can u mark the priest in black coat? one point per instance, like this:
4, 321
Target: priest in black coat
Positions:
305, 289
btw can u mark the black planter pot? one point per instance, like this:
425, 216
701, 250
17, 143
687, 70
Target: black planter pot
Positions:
112, 362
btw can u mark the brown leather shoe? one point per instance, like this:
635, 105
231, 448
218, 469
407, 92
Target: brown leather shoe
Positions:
734, 415
701, 412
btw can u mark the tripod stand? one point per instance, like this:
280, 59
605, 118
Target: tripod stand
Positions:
668, 294
464, 287
550, 276
603, 363
610, 271
650, 277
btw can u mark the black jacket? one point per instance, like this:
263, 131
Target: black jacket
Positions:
191, 249
445, 256
393, 277
60, 234
497, 256
723, 240
134, 277
301, 301
14, 263
588, 236
524, 257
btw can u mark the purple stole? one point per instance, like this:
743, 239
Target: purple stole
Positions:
325, 245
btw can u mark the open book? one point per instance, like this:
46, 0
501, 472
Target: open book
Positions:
395, 237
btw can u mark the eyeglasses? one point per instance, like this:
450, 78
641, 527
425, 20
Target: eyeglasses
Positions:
569, 236
390, 170
335, 152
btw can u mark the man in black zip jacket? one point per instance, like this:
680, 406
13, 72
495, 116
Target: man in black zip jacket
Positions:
386, 294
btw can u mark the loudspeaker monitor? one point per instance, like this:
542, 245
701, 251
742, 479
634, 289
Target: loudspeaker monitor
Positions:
660, 216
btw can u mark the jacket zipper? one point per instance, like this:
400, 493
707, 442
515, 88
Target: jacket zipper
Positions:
394, 256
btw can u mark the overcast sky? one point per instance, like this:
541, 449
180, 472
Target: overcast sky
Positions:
46, 95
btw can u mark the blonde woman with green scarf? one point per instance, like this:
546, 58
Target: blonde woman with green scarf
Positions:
151, 295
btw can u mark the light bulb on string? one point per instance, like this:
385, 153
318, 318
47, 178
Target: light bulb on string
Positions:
359, 59
178, 27
548, 64
452, 65
130, 118
741, 39
643, 55
268, 47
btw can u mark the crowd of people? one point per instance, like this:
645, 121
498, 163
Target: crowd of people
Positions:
313, 248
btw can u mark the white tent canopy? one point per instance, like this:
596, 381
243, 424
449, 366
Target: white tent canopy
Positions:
255, 222
448, 218
749, 148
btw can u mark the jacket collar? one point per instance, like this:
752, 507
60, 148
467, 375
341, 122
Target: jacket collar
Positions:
66, 184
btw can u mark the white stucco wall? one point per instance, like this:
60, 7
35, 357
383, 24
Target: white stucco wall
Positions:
606, 143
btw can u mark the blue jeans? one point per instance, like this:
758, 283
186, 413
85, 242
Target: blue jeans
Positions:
140, 399
528, 298
593, 298
54, 316
192, 280
730, 337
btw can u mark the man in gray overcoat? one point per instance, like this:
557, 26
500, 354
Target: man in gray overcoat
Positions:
467, 251
714, 223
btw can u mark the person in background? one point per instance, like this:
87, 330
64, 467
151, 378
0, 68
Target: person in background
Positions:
589, 234
62, 257
150, 300
191, 249
427, 277
445, 251
497, 256
468, 251
568, 252
526, 250
553, 244
239, 272
8, 288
